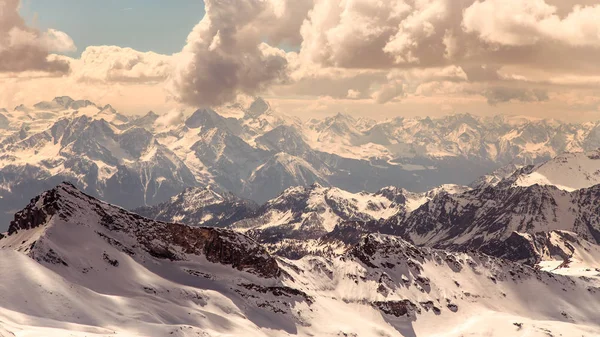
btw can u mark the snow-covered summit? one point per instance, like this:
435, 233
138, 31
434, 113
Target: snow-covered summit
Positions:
201, 206
567, 171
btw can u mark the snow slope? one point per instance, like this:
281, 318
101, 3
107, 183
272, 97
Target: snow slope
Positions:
73, 265
568, 171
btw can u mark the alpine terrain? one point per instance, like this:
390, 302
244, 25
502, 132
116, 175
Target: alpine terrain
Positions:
257, 152
74, 265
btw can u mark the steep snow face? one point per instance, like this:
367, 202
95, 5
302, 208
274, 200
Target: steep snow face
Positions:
567, 254
568, 171
101, 267
201, 206
74, 264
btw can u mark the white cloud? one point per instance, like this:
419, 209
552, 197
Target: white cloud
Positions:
520, 23
116, 64
226, 54
24, 48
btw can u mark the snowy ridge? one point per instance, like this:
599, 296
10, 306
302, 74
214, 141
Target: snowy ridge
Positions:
568, 171
201, 206
72, 263
303, 213
505, 222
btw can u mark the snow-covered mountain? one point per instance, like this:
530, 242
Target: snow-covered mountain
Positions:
128, 166
514, 216
498, 218
257, 152
486, 218
75, 265
299, 213
568, 171
201, 206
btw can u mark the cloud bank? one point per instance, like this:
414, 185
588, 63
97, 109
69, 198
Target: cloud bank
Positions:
24, 48
494, 52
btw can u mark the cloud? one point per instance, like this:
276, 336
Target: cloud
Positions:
172, 117
116, 64
351, 34
388, 92
520, 23
24, 48
352, 51
498, 95
226, 53
353, 94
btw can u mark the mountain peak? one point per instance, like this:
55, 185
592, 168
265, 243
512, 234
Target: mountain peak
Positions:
44, 206
258, 107
109, 107
201, 117
22, 108
63, 101
68, 211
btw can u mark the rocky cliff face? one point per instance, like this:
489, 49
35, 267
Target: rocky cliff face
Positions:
133, 234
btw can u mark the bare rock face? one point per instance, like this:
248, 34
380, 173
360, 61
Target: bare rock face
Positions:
159, 239
404, 308
38, 212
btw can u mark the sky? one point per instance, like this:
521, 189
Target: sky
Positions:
144, 25
382, 59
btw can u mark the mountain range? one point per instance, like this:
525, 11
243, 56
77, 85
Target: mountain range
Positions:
510, 216
257, 152
74, 265
247, 222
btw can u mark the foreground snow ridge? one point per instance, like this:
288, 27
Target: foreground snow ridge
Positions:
75, 266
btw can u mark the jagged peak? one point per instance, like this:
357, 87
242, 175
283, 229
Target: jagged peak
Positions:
200, 116
258, 107
109, 107
22, 108
65, 205
151, 114
63, 100
316, 186
44, 206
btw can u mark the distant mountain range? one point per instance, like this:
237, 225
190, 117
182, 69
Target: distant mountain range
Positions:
257, 153
510, 217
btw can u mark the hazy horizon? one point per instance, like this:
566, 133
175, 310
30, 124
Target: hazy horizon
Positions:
309, 57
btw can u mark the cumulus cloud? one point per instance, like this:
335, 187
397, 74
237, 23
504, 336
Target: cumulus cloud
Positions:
519, 23
388, 92
172, 117
226, 54
116, 64
359, 51
353, 94
24, 48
